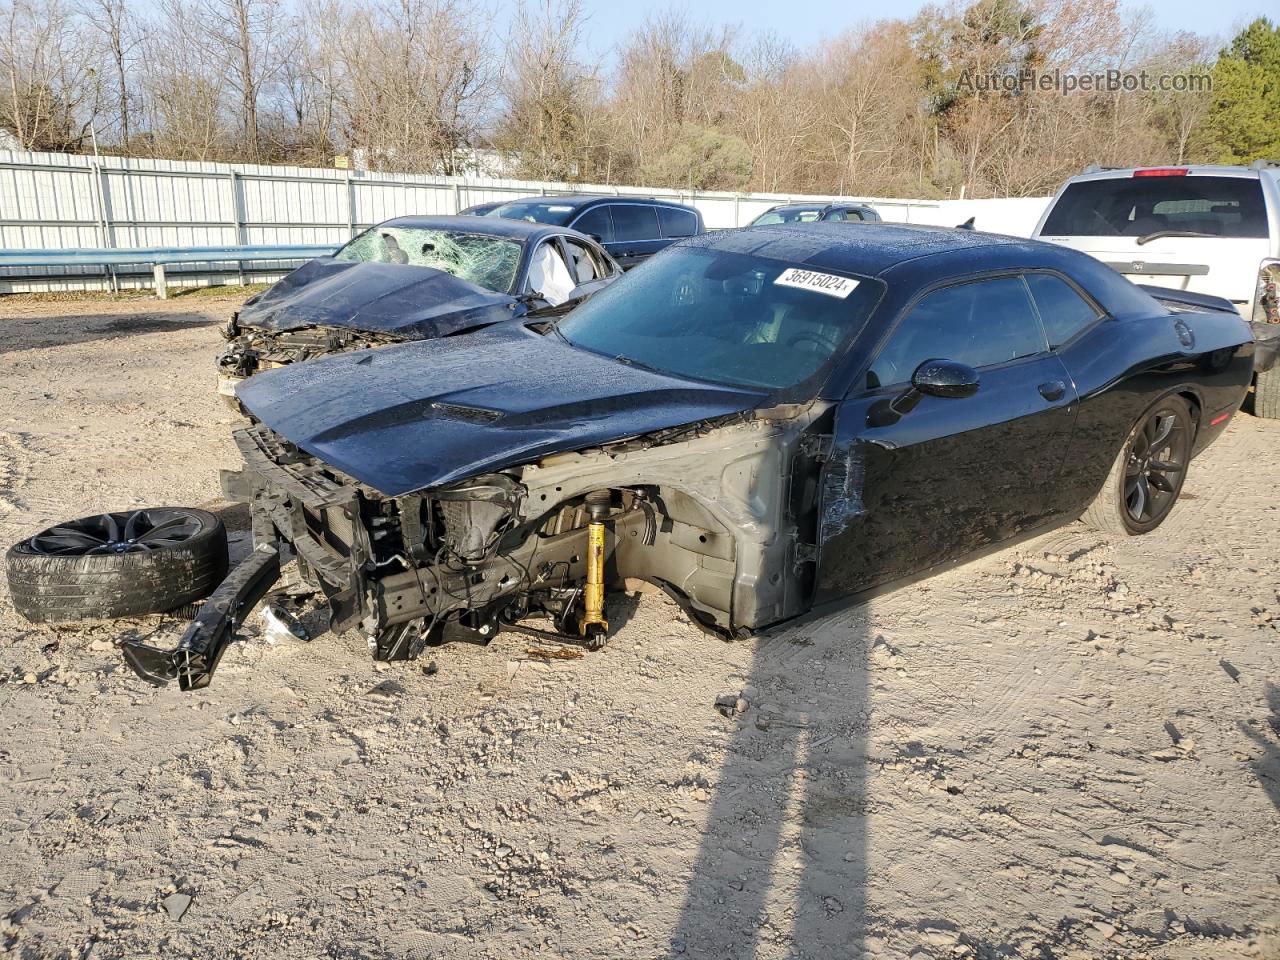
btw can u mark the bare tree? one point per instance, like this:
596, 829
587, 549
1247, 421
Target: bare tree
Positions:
246, 33
419, 81
115, 23
548, 92
50, 93
183, 92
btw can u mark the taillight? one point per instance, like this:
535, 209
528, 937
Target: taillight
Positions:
1162, 172
1266, 302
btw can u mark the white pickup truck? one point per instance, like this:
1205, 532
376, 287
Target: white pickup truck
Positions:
1200, 228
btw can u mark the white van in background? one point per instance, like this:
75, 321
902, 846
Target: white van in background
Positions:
1204, 229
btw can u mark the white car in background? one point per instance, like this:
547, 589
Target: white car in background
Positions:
1202, 229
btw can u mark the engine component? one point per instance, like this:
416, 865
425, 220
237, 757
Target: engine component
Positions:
593, 626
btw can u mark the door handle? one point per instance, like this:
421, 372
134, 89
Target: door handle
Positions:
1052, 390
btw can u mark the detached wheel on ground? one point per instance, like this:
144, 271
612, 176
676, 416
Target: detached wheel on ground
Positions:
118, 565
1147, 476
1266, 394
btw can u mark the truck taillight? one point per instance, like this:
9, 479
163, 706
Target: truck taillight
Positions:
1266, 302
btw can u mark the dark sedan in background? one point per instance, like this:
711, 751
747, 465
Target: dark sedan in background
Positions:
761, 421
413, 278
632, 229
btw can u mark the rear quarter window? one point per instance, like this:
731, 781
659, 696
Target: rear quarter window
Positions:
677, 223
631, 221
1136, 206
1063, 311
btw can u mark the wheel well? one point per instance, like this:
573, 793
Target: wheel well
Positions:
1192, 398
1193, 401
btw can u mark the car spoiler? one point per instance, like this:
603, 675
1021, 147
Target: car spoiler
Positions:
1188, 300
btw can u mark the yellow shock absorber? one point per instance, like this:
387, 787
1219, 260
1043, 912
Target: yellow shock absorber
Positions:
593, 623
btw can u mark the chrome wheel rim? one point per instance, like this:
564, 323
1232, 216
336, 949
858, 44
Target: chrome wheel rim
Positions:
138, 531
1155, 466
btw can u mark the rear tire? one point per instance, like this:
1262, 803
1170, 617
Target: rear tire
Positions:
1147, 476
1266, 394
117, 565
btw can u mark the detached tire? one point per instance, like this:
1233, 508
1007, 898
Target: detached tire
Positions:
1147, 476
118, 565
1266, 394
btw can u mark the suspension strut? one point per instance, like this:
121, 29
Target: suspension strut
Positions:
593, 626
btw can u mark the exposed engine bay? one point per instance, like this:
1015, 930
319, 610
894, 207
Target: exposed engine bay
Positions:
718, 513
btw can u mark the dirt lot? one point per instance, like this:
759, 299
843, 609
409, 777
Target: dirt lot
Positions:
1070, 749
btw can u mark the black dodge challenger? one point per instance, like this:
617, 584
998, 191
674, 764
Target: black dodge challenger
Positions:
763, 421
413, 278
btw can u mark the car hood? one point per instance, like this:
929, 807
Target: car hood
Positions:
415, 302
421, 415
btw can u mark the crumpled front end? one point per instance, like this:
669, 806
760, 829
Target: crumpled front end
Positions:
250, 350
717, 513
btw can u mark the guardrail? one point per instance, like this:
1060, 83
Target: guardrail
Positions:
158, 257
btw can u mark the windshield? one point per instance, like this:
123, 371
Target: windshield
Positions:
537, 211
787, 215
488, 262
1139, 206
726, 317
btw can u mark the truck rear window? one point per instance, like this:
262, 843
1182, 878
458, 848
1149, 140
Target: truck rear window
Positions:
1138, 206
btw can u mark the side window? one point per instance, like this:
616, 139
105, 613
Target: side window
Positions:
677, 223
980, 323
583, 262
596, 222
631, 221
840, 215
1063, 311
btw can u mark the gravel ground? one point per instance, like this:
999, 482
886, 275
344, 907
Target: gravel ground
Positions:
1068, 749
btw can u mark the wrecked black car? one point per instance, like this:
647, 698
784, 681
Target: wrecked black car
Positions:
413, 278
763, 421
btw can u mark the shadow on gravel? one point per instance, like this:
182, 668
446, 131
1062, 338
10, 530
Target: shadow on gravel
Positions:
782, 866
1267, 767
41, 333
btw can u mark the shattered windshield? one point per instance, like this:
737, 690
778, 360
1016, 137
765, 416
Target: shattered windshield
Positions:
488, 262
726, 317
536, 211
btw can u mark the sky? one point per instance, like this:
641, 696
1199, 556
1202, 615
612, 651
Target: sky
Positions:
805, 21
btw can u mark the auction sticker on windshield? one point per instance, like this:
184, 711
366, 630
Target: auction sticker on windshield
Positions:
827, 283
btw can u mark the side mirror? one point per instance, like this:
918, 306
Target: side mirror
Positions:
945, 378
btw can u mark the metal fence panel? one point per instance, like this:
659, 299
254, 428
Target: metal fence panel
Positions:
61, 201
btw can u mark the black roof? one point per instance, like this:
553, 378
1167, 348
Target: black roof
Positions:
581, 200
921, 255
522, 230
868, 252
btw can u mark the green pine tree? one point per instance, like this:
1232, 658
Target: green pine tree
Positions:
1243, 124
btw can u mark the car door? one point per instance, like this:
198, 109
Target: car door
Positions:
549, 278
590, 268
937, 478
636, 234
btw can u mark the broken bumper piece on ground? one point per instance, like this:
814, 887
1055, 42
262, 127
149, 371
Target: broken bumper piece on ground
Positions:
195, 658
